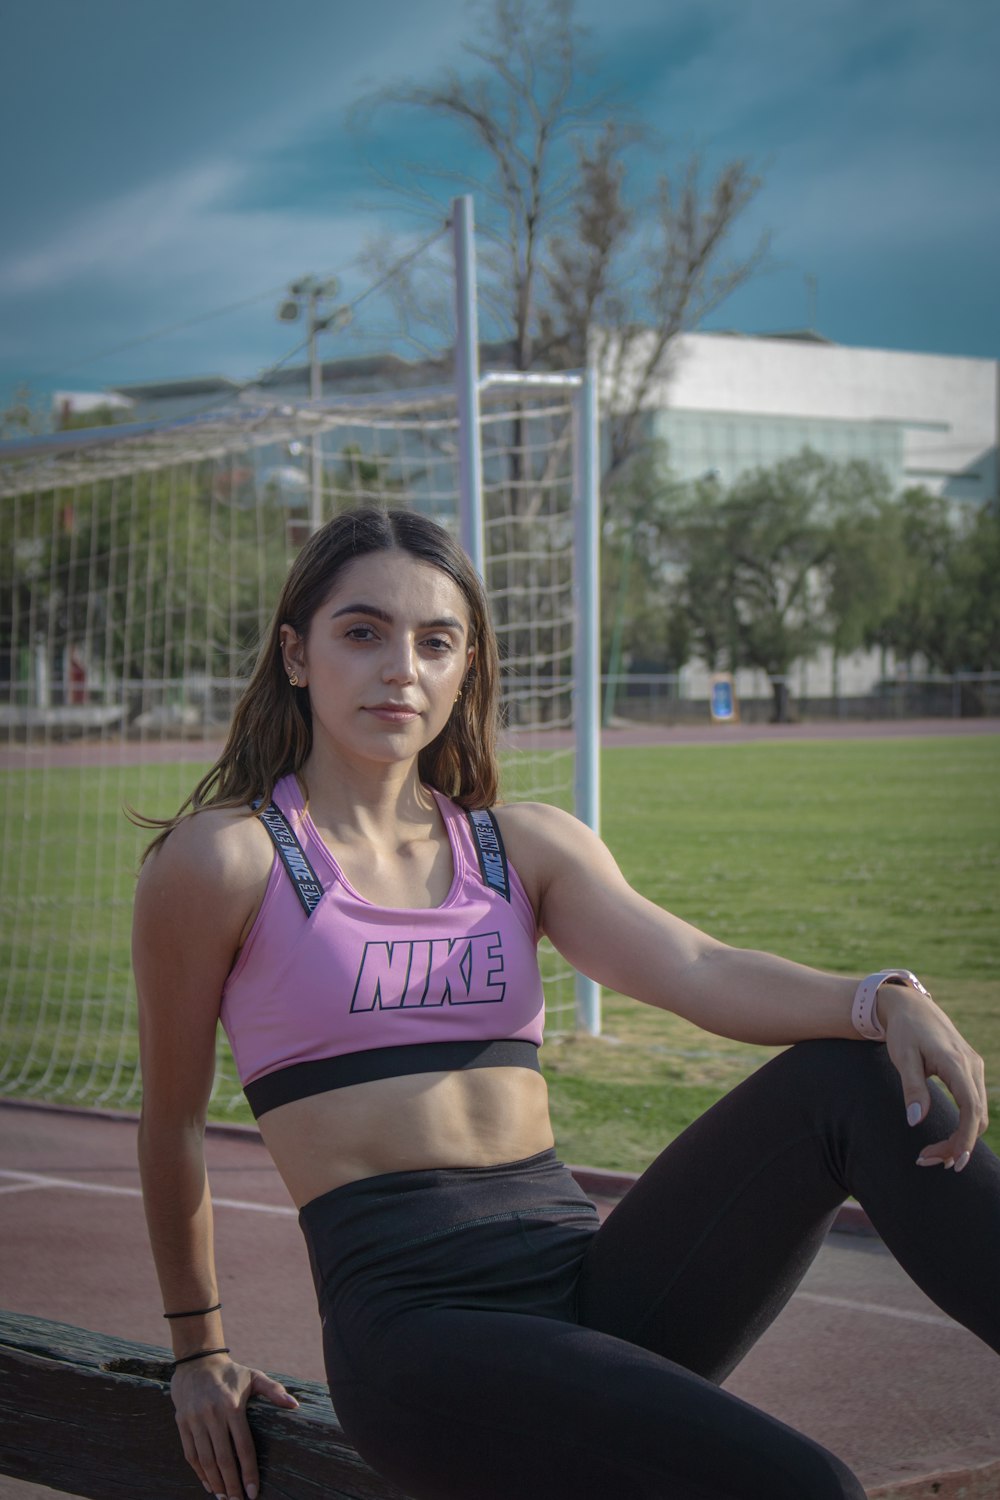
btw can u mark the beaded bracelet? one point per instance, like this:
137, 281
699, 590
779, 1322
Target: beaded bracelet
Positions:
202, 1354
198, 1312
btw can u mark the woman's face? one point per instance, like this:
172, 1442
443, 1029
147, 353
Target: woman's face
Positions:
384, 656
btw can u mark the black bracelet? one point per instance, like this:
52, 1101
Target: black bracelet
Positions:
202, 1354
199, 1312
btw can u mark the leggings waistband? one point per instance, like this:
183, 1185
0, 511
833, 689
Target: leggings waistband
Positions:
367, 1215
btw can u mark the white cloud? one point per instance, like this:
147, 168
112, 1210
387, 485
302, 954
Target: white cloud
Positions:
119, 235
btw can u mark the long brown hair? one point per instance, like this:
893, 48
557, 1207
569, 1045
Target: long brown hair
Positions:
271, 731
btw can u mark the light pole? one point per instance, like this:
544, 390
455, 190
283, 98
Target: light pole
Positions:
310, 293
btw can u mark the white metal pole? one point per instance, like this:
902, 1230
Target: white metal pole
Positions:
315, 392
467, 384
586, 653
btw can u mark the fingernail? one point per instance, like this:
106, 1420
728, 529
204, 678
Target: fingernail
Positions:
963, 1161
949, 1163
913, 1113
251, 1492
926, 1161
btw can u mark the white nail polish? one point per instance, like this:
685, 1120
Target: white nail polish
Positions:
963, 1161
913, 1113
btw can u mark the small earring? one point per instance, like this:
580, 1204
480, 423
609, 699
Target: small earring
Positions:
458, 695
293, 681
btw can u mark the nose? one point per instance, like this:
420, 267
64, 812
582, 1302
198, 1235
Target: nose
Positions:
401, 661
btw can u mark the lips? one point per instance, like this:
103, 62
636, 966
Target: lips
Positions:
397, 713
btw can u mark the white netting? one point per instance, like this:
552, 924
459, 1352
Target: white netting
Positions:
135, 577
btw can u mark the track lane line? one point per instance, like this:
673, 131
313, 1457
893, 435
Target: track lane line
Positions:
25, 1181
40, 1180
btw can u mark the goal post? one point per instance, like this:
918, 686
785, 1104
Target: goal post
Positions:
137, 571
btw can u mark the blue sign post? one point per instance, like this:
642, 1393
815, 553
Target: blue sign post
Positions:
722, 700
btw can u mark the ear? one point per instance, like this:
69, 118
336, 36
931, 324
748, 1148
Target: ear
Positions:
293, 654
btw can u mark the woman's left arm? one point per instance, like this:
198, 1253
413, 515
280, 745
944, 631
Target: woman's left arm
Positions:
608, 931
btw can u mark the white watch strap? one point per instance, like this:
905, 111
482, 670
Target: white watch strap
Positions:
864, 1013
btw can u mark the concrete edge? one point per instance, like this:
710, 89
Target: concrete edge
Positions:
851, 1217
599, 1181
955, 1480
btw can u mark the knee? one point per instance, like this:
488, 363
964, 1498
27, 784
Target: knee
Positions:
840, 1062
851, 1079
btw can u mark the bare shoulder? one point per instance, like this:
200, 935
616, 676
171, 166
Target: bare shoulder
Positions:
544, 843
218, 858
538, 824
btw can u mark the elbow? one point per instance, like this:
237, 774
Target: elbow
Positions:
706, 989
168, 1136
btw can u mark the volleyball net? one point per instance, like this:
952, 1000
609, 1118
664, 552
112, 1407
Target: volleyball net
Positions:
137, 572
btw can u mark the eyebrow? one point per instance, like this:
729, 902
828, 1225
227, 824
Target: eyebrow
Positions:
446, 622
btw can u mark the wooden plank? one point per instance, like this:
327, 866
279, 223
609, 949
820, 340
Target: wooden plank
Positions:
92, 1415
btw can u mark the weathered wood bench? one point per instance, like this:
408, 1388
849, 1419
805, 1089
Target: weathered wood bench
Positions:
91, 1415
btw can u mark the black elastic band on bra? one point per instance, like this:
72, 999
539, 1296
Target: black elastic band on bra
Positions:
299, 1080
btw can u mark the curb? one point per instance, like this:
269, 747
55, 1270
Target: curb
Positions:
971, 1482
600, 1182
850, 1218
597, 1181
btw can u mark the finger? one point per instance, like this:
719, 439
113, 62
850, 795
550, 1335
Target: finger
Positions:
208, 1462
191, 1454
246, 1455
956, 1149
916, 1094
229, 1468
271, 1390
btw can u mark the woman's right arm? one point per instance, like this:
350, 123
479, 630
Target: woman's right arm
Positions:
196, 897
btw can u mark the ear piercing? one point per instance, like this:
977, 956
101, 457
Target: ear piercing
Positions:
293, 681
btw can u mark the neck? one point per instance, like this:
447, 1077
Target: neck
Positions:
364, 800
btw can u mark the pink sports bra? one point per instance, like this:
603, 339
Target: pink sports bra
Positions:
331, 990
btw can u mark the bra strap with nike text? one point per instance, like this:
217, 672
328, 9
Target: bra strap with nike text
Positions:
300, 872
489, 846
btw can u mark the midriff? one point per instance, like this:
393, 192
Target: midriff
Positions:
470, 1118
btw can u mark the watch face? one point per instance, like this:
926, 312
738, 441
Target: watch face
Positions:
907, 977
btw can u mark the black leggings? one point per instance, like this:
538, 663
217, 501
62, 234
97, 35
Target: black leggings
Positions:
486, 1339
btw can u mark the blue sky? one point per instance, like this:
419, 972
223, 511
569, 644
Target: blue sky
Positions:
167, 158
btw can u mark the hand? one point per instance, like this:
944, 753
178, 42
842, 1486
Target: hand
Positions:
210, 1399
924, 1043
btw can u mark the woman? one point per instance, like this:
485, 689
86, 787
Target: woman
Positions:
370, 948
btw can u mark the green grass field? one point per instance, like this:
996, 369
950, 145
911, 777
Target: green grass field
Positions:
848, 854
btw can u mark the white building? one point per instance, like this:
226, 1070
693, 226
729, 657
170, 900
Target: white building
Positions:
731, 403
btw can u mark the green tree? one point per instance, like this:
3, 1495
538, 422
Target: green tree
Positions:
975, 572
948, 607
22, 416
579, 257
916, 620
782, 561
149, 577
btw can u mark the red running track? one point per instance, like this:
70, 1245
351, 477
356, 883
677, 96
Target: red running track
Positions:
860, 1359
